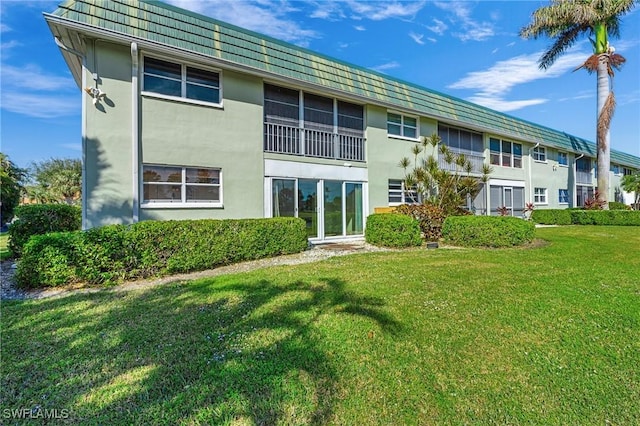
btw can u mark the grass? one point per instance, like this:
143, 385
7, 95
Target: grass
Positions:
5, 253
546, 335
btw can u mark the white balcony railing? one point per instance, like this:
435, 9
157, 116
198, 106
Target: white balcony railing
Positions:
284, 139
476, 162
584, 177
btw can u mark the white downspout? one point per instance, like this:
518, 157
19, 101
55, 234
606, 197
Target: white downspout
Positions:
530, 173
135, 138
575, 180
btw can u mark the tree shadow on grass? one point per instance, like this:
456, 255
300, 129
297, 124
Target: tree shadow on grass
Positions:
214, 351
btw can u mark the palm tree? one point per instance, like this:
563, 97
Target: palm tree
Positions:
565, 21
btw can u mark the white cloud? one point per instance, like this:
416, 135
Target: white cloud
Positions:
4, 28
432, 40
32, 78
378, 11
360, 28
492, 85
417, 37
461, 15
503, 105
581, 95
386, 66
40, 106
439, 27
263, 17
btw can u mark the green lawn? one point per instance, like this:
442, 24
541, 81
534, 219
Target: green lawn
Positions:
5, 253
547, 335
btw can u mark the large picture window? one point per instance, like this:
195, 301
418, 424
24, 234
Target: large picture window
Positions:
181, 185
505, 153
181, 81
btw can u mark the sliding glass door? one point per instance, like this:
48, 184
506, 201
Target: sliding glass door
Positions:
329, 208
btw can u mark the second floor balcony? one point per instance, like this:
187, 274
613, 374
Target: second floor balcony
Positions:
283, 139
476, 160
584, 177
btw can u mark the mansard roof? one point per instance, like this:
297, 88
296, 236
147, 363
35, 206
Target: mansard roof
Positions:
157, 24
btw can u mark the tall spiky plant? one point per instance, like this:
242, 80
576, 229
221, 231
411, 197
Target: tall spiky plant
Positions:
440, 187
565, 21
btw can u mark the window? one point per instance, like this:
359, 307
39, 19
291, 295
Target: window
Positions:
627, 171
461, 140
181, 185
505, 153
399, 194
540, 195
563, 158
402, 125
563, 196
615, 169
181, 81
540, 153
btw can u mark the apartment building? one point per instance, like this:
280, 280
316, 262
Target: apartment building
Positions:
187, 117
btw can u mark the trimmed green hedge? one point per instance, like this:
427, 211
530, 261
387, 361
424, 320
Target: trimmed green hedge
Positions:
113, 253
392, 230
487, 231
37, 219
616, 205
552, 216
586, 217
606, 217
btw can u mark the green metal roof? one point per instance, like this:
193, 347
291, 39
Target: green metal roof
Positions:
157, 22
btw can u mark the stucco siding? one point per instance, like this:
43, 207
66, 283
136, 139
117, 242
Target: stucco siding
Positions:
229, 138
108, 137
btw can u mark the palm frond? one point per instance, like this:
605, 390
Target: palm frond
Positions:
604, 120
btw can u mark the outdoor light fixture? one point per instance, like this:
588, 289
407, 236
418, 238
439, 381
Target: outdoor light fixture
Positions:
95, 93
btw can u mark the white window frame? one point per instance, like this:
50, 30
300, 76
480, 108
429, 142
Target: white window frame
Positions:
560, 196
183, 82
405, 199
540, 154
183, 203
566, 158
403, 126
502, 153
540, 196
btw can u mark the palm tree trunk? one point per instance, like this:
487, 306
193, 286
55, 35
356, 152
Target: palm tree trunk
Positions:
603, 135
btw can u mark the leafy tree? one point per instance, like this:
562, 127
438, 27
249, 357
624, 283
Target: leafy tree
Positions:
57, 180
631, 183
564, 21
446, 189
11, 180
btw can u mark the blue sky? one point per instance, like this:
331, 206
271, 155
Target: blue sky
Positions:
470, 50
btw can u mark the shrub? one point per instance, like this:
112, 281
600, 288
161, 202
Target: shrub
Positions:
615, 205
116, 252
392, 230
430, 218
487, 231
36, 219
606, 217
551, 216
